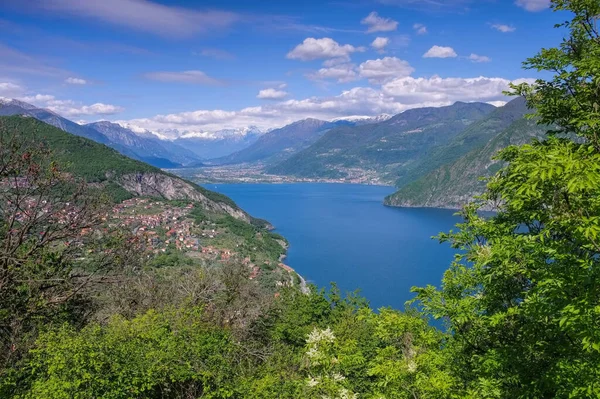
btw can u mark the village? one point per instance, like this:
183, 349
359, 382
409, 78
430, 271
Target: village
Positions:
162, 226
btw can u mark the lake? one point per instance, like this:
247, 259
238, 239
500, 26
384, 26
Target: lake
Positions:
343, 233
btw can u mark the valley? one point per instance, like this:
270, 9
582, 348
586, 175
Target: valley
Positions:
434, 156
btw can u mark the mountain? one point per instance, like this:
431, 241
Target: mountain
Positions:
16, 107
281, 143
220, 143
382, 148
364, 120
455, 184
120, 177
474, 136
147, 148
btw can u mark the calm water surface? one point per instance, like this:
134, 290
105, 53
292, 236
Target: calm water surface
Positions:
343, 233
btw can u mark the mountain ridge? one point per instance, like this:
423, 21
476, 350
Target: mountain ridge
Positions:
382, 147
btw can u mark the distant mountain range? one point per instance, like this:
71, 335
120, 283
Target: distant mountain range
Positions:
220, 143
147, 148
382, 148
281, 143
434, 156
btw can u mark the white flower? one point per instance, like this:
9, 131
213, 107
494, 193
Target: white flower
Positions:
312, 382
313, 353
338, 377
317, 336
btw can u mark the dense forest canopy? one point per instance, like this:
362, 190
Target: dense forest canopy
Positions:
86, 316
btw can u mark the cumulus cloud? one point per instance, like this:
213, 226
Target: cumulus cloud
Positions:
380, 43
440, 52
533, 5
420, 29
70, 108
75, 81
195, 77
271, 94
312, 49
504, 28
394, 96
479, 58
8, 89
37, 99
381, 70
142, 15
341, 72
448, 90
375, 23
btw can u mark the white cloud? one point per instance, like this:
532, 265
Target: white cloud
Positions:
499, 103
440, 52
381, 70
504, 28
447, 90
376, 23
341, 72
142, 15
195, 77
69, 108
533, 5
393, 97
380, 43
334, 62
312, 49
8, 89
38, 99
75, 81
479, 58
271, 94
420, 29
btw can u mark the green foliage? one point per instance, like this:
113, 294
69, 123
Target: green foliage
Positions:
522, 300
92, 161
256, 240
171, 258
171, 354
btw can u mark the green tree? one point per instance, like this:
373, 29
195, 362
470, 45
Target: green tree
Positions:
522, 300
173, 354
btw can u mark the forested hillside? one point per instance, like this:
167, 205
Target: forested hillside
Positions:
453, 185
383, 147
147, 148
473, 137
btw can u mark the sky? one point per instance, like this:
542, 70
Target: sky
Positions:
175, 66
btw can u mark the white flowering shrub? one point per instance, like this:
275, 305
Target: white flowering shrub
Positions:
324, 381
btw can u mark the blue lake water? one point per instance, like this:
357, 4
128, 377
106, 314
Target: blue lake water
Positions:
343, 233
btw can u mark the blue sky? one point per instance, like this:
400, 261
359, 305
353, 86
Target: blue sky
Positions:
208, 65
